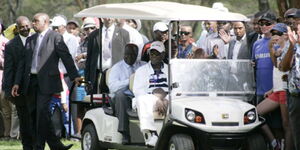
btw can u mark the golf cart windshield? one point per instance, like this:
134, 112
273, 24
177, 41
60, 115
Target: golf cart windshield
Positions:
208, 77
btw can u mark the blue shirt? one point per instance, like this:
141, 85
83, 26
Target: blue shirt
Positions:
264, 66
183, 53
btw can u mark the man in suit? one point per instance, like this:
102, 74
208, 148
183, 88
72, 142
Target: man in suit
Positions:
13, 55
39, 76
238, 48
114, 40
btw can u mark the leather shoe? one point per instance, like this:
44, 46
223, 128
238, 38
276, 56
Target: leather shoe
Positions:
126, 139
67, 147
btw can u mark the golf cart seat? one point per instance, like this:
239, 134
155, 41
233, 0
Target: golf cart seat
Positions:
133, 113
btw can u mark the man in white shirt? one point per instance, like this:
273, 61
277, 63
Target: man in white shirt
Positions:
150, 78
134, 35
118, 83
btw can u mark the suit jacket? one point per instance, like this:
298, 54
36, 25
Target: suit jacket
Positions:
52, 49
12, 56
119, 40
252, 38
243, 53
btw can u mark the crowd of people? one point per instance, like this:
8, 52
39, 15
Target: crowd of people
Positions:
40, 60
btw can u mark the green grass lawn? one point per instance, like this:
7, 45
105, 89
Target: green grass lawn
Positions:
16, 145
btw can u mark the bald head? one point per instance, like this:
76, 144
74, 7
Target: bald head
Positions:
23, 26
40, 22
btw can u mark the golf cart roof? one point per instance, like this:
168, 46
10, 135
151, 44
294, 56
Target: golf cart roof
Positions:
159, 10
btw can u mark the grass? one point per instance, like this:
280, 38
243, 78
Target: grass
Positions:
16, 145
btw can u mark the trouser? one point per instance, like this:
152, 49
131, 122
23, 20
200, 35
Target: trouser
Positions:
26, 130
40, 112
121, 104
145, 104
10, 118
294, 113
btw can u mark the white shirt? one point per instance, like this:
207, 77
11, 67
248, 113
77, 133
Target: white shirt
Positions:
120, 74
237, 47
135, 38
72, 45
36, 51
142, 80
23, 39
106, 49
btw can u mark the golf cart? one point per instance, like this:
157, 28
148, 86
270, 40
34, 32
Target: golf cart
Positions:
208, 98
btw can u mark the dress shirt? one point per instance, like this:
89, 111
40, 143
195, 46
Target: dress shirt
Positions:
23, 38
135, 38
72, 44
120, 73
107, 35
237, 46
35, 60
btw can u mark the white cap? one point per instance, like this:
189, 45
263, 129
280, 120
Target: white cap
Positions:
88, 22
160, 26
58, 21
219, 6
157, 45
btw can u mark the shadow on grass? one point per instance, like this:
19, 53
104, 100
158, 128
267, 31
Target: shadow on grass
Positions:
16, 145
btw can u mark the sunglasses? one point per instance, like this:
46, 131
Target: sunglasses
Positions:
89, 28
184, 33
265, 23
277, 33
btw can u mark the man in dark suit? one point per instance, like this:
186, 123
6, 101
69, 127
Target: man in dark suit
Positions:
12, 56
114, 40
41, 78
238, 48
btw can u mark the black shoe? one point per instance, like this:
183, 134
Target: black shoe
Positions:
125, 139
67, 147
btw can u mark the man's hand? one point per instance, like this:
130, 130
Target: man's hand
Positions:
14, 91
161, 106
216, 50
78, 80
65, 107
291, 35
224, 36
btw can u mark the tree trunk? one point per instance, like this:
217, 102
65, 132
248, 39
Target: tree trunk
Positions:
263, 5
294, 4
79, 3
282, 7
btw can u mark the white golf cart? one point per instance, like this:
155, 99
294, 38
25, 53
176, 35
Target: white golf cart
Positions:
208, 106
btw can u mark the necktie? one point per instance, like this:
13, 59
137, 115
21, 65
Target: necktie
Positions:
36, 52
106, 46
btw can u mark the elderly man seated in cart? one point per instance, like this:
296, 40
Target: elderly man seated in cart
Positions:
150, 87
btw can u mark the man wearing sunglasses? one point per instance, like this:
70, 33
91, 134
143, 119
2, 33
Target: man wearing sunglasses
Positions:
261, 57
185, 42
291, 62
160, 30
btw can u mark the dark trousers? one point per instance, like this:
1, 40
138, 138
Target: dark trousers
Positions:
294, 113
121, 103
26, 129
41, 122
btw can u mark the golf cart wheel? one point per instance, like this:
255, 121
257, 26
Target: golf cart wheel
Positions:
181, 142
89, 139
256, 142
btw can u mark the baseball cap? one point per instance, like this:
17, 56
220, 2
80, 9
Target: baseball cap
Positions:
297, 14
88, 22
157, 45
280, 27
160, 26
74, 22
58, 21
268, 16
290, 12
